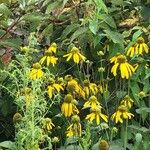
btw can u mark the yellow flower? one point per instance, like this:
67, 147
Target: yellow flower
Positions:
48, 58
127, 101
75, 128
97, 115
76, 55
120, 62
121, 113
54, 87
47, 124
138, 48
36, 72
73, 86
52, 48
92, 102
68, 107
90, 88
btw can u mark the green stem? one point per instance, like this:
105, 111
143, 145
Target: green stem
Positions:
125, 136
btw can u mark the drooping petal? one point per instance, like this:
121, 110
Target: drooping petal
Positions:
76, 58
114, 69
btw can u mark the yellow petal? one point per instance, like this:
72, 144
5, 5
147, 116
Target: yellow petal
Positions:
42, 60
76, 58
145, 47
104, 117
97, 119
114, 69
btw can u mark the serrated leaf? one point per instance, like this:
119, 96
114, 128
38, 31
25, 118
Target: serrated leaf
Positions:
77, 33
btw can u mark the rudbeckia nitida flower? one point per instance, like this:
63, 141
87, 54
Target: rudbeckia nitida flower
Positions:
121, 113
75, 55
127, 101
96, 115
138, 48
68, 107
54, 87
36, 71
121, 64
90, 88
75, 128
47, 124
92, 102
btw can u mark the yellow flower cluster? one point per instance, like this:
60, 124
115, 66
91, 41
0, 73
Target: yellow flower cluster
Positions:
48, 57
123, 110
121, 63
138, 48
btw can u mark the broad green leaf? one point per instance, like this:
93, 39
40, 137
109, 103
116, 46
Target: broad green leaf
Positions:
78, 32
138, 137
69, 29
34, 17
52, 6
143, 110
136, 35
108, 19
101, 5
7, 144
11, 43
5, 10
93, 26
137, 128
116, 37
71, 140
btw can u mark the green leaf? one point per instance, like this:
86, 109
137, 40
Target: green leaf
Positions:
52, 6
95, 146
69, 29
71, 140
101, 5
138, 137
34, 17
93, 26
5, 10
136, 35
116, 37
143, 110
79, 32
11, 43
109, 20
7, 144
